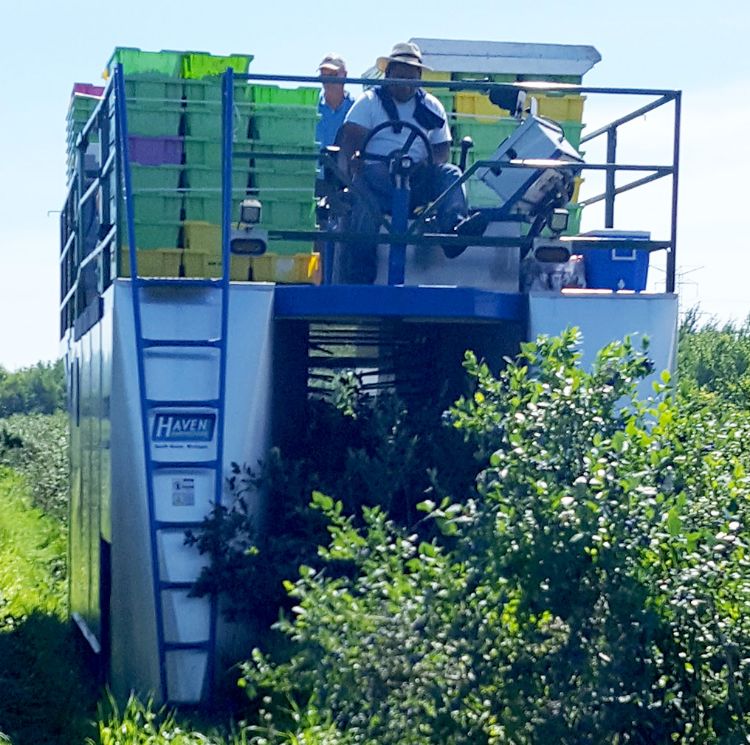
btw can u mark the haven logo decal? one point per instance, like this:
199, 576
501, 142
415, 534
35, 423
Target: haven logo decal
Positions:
183, 427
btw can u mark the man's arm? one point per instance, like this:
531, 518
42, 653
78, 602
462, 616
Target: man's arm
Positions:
441, 153
351, 138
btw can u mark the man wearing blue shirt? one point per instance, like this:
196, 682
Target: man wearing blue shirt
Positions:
334, 103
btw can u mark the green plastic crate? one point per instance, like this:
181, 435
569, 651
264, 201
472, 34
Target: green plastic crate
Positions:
154, 121
153, 208
153, 89
203, 91
486, 135
206, 207
154, 234
137, 62
284, 125
444, 96
207, 177
574, 220
201, 151
287, 165
241, 119
165, 177
244, 92
287, 212
199, 65
274, 95
208, 91
265, 177
203, 121
573, 132
82, 106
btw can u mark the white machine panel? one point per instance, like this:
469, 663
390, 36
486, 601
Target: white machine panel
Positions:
186, 671
186, 435
610, 316
186, 619
483, 267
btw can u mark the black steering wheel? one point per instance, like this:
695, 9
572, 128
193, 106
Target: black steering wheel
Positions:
415, 133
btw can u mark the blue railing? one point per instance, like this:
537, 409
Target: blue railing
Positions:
398, 236
88, 265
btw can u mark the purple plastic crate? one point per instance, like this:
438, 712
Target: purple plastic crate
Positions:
88, 89
155, 151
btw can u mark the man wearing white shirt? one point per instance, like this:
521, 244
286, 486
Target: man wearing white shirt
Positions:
411, 105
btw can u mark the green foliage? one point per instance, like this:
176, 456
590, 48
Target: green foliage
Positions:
32, 556
715, 358
140, 723
36, 445
592, 589
365, 451
39, 389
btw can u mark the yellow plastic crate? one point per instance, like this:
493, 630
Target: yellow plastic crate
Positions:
577, 181
194, 264
202, 236
478, 104
567, 108
444, 95
239, 267
560, 108
434, 75
203, 264
301, 268
154, 262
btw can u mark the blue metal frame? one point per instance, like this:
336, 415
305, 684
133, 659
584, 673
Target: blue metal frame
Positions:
399, 224
74, 316
331, 302
610, 167
121, 129
148, 405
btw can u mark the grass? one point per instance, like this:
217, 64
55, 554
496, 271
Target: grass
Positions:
45, 697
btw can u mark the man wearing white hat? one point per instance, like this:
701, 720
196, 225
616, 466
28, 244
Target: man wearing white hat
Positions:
409, 104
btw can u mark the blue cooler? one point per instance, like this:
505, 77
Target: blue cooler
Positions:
617, 268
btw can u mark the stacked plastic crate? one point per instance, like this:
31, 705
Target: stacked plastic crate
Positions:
153, 94
472, 114
174, 109
83, 100
170, 192
282, 121
202, 129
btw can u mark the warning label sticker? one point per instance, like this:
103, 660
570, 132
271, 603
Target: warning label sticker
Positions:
183, 492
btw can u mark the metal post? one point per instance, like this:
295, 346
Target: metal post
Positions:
672, 253
609, 190
227, 100
399, 224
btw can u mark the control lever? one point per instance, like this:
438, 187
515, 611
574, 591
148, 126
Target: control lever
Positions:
466, 144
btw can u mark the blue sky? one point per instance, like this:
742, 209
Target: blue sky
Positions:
698, 48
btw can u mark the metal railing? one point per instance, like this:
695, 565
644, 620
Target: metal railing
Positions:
90, 220
397, 237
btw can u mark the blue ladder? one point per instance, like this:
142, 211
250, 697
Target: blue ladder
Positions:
180, 660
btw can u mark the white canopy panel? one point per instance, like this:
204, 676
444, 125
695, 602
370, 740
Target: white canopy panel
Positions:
453, 55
